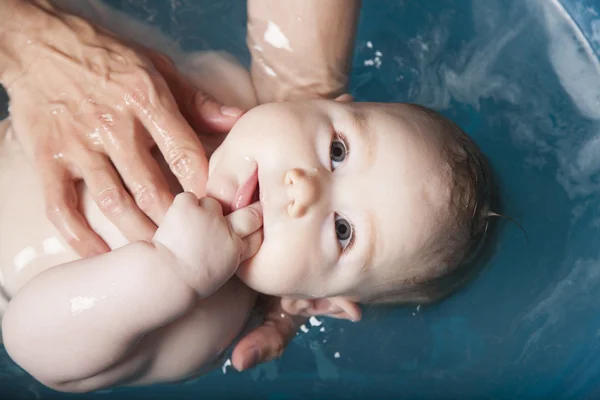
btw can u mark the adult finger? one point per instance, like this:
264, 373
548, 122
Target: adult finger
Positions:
113, 200
268, 341
142, 176
60, 198
202, 111
208, 115
179, 145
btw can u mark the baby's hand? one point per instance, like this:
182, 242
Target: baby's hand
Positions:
208, 246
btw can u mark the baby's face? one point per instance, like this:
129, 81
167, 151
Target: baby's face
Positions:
351, 193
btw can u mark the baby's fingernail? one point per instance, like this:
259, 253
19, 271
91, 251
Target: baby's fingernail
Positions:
252, 356
229, 111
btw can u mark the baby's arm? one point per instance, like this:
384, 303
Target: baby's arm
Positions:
92, 318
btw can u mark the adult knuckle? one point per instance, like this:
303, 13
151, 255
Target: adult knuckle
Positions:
142, 89
147, 197
181, 162
111, 201
106, 119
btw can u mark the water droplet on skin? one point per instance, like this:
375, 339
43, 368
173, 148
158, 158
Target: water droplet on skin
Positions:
24, 257
270, 71
80, 304
275, 37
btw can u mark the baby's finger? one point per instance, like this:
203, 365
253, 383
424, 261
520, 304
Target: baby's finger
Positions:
246, 220
186, 200
252, 245
211, 205
61, 209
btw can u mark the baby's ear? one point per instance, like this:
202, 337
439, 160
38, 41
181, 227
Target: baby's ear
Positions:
334, 307
344, 98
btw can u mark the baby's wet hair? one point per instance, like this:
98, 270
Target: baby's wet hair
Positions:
452, 258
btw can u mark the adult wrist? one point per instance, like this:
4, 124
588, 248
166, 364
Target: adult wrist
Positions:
276, 75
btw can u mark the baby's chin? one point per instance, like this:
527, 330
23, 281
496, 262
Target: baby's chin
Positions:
244, 273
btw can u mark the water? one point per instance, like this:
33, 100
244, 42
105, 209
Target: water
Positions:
523, 78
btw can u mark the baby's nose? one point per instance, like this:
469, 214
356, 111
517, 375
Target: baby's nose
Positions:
303, 191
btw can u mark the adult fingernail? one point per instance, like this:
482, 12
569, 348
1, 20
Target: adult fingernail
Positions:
252, 356
229, 111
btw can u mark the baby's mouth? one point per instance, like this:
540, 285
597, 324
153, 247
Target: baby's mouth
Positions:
247, 193
256, 194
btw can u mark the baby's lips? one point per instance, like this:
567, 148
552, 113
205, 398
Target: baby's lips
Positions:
243, 196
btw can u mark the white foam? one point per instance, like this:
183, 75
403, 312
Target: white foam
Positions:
572, 58
225, 365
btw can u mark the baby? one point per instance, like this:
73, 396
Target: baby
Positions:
328, 204
361, 203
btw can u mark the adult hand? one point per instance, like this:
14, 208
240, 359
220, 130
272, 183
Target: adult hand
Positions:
88, 106
268, 341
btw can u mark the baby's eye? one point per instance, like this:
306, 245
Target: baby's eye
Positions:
343, 231
338, 150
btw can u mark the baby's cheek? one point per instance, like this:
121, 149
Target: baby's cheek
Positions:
286, 266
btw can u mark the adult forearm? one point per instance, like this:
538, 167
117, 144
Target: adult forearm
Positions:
14, 14
301, 48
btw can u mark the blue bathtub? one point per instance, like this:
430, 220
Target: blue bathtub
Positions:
523, 78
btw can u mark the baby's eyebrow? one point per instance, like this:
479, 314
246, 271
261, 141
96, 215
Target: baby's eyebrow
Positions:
360, 125
372, 240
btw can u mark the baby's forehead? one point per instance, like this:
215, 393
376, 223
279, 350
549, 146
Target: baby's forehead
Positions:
414, 202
